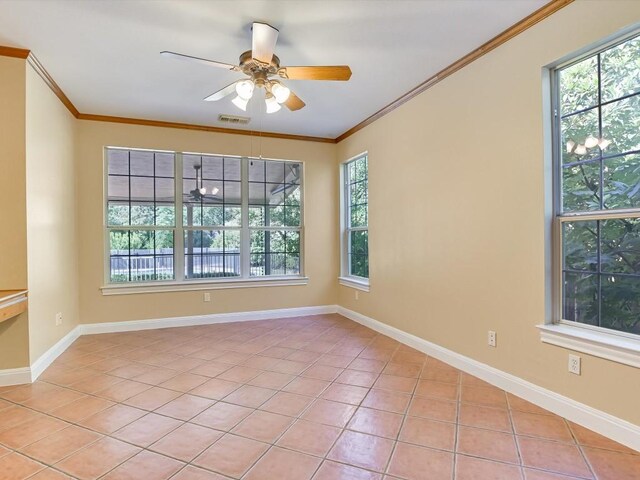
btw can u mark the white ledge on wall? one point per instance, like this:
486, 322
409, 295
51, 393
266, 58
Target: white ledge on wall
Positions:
354, 283
618, 348
160, 287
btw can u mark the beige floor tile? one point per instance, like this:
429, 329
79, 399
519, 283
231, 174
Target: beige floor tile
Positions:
147, 430
362, 450
231, 455
609, 465
145, 465
61, 444
334, 471
222, 416
97, 459
263, 426
283, 465
18, 467
329, 413
411, 462
308, 437
376, 422
469, 468
186, 442
553, 456
487, 444
30, 431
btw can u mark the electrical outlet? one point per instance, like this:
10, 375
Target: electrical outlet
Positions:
357, 294
207, 297
58, 319
491, 338
574, 364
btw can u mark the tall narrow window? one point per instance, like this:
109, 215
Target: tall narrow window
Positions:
211, 215
274, 217
232, 218
355, 244
598, 180
140, 215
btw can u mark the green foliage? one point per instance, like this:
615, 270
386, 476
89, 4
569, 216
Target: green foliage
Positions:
358, 184
359, 254
602, 258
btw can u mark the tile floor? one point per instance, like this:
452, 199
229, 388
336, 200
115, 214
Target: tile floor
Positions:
319, 398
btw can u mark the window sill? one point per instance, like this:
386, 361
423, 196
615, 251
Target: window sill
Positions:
160, 287
356, 283
618, 348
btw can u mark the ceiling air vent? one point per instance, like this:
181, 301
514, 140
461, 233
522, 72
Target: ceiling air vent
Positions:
233, 119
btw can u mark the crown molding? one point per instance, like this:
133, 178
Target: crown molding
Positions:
527, 22
14, 52
204, 128
48, 79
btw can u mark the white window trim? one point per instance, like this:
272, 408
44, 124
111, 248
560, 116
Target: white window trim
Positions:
595, 341
180, 283
358, 283
188, 286
620, 347
345, 279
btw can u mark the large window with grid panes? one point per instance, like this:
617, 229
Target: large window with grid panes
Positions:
191, 217
597, 180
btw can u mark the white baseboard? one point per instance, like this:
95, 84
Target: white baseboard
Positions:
615, 428
47, 358
612, 427
15, 376
135, 325
18, 376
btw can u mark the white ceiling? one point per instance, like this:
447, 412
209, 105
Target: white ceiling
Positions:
105, 54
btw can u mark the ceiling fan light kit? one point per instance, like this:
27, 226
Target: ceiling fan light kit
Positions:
260, 64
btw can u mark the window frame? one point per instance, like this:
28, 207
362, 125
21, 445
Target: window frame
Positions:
346, 278
619, 346
180, 282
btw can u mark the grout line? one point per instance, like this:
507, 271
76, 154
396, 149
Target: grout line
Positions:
231, 337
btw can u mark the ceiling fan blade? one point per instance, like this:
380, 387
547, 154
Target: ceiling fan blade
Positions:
204, 61
294, 103
334, 72
263, 42
223, 92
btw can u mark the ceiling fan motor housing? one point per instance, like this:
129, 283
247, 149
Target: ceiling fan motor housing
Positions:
256, 69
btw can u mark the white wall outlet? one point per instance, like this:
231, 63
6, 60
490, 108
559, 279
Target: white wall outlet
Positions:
491, 338
357, 294
207, 297
58, 319
574, 364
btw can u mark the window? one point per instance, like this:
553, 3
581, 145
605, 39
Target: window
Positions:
184, 216
597, 161
355, 241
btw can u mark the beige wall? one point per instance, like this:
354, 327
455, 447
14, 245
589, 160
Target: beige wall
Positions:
14, 341
457, 212
320, 192
51, 219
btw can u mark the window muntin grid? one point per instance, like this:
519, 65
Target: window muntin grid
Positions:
215, 173
212, 237
140, 201
275, 217
356, 197
599, 188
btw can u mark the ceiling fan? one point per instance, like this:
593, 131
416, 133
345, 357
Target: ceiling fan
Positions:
260, 65
199, 193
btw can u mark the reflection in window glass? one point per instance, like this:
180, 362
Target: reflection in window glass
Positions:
599, 163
